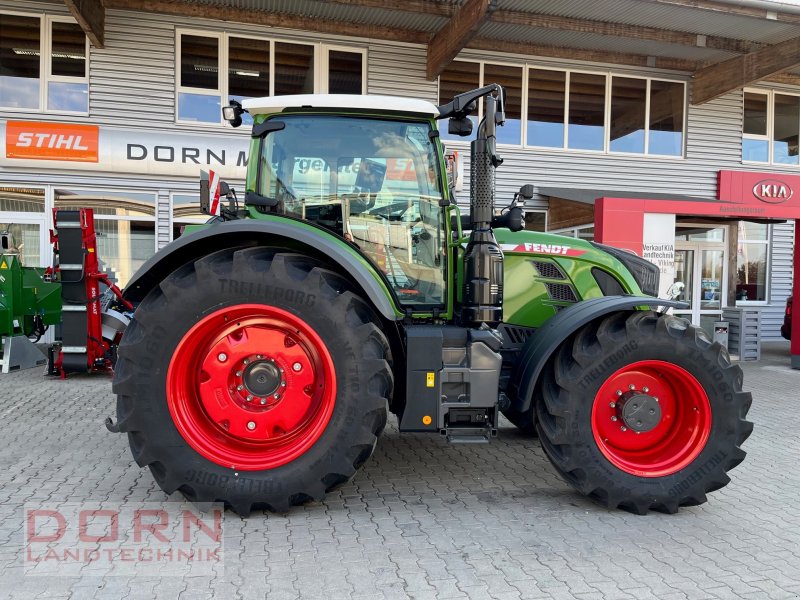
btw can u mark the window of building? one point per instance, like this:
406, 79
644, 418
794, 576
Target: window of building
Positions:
124, 223
751, 262
547, 93
256, 67
582, 232
23, 215
771, 127
510, 77
44, 64
186, 211
755, 127
536, 220
461, 76
578, 110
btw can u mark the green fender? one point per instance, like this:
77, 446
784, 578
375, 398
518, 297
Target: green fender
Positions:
541, 345
266, 231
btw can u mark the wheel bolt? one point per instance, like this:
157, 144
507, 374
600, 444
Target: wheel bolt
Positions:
623, 428
297, 366
613, 404
249, 398
619, 392
259, 357
631, 387
263, 401
656, 399
238, 373
240, 387
645, 389
613, 418
246, 361
276, 396
251, 425
283, 384
222, 357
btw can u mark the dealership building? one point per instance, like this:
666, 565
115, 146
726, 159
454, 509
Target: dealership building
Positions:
667, 127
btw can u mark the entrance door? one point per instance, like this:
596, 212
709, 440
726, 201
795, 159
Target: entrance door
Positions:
701, 272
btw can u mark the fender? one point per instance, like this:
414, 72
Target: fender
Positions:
269, 231
545, 340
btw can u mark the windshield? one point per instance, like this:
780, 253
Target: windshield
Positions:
376, 183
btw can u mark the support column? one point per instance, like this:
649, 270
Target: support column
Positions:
619, 222
795, 324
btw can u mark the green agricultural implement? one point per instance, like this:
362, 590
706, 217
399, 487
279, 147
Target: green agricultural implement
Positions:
29, 303
269, 346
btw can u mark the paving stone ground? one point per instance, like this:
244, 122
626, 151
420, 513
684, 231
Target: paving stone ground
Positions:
423, 519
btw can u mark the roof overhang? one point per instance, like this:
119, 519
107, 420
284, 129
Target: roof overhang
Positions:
724, 44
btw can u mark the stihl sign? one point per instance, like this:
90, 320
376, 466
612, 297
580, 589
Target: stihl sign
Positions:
52, 141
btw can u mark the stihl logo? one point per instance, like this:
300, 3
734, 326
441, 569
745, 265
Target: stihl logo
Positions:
772, 191
52, 141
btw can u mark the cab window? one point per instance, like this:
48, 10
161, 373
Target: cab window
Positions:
375, 183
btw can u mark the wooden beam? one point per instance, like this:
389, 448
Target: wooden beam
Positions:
452, 38
721, 78
270, 19
91, 16
653, 34
675, 64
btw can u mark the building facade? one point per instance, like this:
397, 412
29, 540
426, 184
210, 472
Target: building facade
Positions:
126, 130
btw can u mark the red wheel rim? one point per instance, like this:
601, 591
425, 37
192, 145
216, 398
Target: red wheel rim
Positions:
675, 439
251, 387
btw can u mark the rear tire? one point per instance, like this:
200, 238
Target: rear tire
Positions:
694, 397
204, 346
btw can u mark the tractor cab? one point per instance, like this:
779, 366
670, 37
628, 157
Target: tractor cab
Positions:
375, 181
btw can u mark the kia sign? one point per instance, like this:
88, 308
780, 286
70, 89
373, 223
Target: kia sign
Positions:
89, 147
772, 191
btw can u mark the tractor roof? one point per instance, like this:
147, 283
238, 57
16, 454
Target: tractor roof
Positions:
344, 102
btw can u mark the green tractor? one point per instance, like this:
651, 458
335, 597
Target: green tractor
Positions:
268, 346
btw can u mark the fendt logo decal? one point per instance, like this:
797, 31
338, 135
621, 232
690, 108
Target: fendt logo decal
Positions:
52, 141
772, 191
553, 249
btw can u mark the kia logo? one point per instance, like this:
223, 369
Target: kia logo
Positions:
772, 191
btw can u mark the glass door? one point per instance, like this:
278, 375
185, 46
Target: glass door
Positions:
712, 284
700, 274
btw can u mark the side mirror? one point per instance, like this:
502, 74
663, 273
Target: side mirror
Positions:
526, 191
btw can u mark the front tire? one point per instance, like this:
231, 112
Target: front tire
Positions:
253, 377
642, 411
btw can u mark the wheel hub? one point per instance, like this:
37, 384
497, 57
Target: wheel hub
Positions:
251, 386
638, 411
262, 378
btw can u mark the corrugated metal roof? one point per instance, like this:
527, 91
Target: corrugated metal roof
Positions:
593, 41
626, 12
670, 17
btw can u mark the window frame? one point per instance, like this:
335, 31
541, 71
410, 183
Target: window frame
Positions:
770, 136
46, 62
767, 243
608, 75
320, 65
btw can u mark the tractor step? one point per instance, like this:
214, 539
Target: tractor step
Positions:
469, 435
